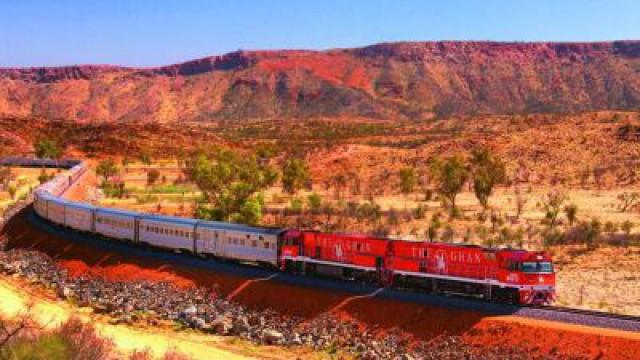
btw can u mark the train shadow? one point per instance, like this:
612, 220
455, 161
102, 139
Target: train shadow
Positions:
422, 315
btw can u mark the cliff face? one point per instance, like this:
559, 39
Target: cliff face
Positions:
396, 80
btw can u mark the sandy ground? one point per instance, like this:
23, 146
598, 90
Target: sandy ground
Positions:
584, 282
23, 179
48, 312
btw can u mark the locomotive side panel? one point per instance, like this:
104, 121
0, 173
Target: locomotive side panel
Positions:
355, 250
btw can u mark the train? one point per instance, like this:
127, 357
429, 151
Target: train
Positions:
506, 275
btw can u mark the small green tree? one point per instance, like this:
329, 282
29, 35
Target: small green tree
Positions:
450, 174
571, 212
628, 201
230, 182
146, 159
46, 149
295, 174
12, 191
434, 227
43, 177
626, 227
126, 161
250, 211
487, 171
552, 204
106, 169
592, 231
408, 181
314, 202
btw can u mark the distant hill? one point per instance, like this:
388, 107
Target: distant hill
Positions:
394, 80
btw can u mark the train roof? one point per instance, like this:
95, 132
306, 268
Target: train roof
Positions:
80, 205
170, 219
354, 235
243, 228
117, 212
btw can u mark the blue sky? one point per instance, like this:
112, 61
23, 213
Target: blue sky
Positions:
158, 32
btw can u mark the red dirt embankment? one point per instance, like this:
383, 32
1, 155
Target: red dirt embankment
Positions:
541, 338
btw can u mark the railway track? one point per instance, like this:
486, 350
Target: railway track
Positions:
582, 317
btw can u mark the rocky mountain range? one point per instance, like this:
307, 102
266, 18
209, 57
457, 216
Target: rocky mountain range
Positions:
411, 80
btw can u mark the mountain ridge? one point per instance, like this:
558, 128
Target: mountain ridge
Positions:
386, 80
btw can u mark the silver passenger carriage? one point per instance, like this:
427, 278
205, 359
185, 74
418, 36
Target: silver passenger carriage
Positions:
80, 216
119, 224
238, 242
168, 232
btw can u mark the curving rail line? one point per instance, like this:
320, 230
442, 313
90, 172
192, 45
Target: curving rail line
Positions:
553, 313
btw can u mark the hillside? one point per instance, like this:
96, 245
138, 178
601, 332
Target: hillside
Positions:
385, 81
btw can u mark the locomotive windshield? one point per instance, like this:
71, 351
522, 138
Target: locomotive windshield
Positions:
536, 267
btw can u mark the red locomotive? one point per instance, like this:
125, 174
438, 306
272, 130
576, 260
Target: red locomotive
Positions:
507, 275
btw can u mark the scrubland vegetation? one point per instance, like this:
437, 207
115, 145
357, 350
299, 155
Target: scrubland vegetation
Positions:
25, 339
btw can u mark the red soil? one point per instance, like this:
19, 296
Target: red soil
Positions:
124, 272
544, 337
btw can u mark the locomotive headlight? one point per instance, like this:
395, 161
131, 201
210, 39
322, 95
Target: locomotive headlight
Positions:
540, 279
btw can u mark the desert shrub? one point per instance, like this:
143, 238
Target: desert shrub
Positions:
552, 203
45, 347
393, 217
420, 212
552, 237
627, 226
586, 232
610, 227
467, 235
434, 227
450, 174
73, 340
505, 235
113, 189
628, 201
370, 211
170, 189
314, 201
496, 220
152, 176
487, 171
44, 177
295, 173
571, 211
296, 205
428, 195
381, 231
448, 234
146, 199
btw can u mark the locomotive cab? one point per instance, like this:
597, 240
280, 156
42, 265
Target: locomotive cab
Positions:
532, 273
